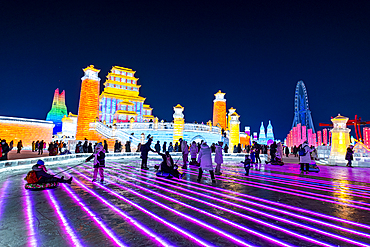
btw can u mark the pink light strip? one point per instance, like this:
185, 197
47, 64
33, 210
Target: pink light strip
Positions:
296, 192
110, 234
317, 187
173, 226
190, 218
28, 212
67, 228
253, 210
211, 188
2, 195
269, 238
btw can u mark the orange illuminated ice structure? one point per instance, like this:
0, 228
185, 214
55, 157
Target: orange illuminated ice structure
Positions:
88, 110
219, 110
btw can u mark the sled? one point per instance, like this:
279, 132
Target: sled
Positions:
164, 175
41, 186
313, 168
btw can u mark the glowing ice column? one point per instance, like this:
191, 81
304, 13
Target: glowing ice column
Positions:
299, 134
88, 110
234, 130
325, 136
304, 134
178, 123
319, 138
339, 140
219, 110
309, 135
231, 111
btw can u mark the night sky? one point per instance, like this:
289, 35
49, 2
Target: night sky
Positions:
185, 51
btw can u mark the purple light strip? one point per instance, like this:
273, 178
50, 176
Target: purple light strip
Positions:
319, 180
28, 212
2, 195
211, 188
312, 184
67, 228
108, 232
293, 181
219, 231
272, 188
215, 216
251, 209
173, 226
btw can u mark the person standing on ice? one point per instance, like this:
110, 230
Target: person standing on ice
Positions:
99, 162
144, 154
205, 161
349, 155
218, 158
305, 157
185, 153
193, 153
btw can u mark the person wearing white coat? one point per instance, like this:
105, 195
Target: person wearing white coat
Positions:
218, 158
205, 161
306, 158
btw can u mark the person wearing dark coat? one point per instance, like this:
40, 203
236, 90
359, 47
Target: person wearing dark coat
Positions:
157, 147
116, 147
99, 162
44, 177
226, 148
168, 166
349, 155
239, 148
176, 147
273, 149
90, 148
164, 148
257, 150
85, 147
4, 150
287, 152
247, 164
144, 154
41, 147
128, 147
106, 146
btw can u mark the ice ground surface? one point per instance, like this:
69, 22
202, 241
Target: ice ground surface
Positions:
309, 208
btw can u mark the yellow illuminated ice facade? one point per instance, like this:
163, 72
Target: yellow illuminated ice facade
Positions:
27, 130
120, 100
219, 110
178, 123
69, 126
88, 110
234, 129
231, 111
339, 138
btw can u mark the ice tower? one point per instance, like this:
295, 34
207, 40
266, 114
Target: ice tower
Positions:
58, 110
234, 130
262, 136
88, 109
270, 132
219, 110
178, 123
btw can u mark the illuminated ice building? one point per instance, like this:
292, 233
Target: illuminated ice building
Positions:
58, 110
266, 138
120, 101
120, 114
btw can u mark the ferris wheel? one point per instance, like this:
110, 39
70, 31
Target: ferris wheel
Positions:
302, 113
